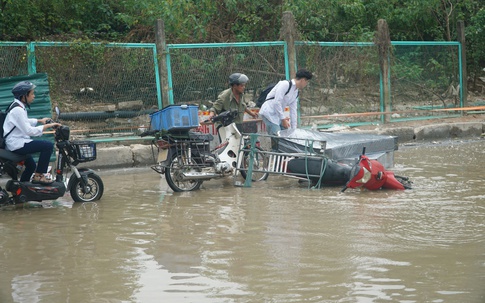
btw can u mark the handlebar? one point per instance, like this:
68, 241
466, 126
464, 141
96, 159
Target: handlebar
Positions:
226, 117
148, 133
49, 121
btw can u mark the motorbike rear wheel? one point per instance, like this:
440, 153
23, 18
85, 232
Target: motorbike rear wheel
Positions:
260, 162
173, 173
94, 189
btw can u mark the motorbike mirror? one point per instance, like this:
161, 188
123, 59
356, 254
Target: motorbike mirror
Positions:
58, 112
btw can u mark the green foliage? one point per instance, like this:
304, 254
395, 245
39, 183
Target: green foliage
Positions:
230, 20
33, 20
328, 20
475, 35
91, 55
196, 21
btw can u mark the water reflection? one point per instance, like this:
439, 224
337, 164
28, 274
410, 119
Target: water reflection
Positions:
275, 242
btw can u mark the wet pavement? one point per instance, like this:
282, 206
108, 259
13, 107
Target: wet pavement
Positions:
278, 241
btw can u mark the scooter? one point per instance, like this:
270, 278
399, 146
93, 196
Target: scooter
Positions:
84, 184
186, 160
321, 171
372, 175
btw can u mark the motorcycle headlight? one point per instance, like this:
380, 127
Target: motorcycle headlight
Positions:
365, 177
359, 175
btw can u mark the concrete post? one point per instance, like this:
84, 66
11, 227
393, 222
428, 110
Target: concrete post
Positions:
162, 61
383, 42
289, 33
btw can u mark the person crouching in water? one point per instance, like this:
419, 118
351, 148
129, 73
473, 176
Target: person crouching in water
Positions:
18, 128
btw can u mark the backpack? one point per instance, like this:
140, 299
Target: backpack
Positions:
3, 116
262, 96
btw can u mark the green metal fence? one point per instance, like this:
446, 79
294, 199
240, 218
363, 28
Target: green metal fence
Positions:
100, 88
426, 76
423, 76
199, 72
14, 59
110, 89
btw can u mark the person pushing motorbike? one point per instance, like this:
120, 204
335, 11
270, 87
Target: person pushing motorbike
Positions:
18, 129
232, 99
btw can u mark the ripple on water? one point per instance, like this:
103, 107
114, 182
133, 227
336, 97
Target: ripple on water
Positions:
278, 241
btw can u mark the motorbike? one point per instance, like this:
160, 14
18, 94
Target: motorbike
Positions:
372, 175
186, 160
84, 184
322, 171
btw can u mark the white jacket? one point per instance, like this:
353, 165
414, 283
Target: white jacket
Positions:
274, 109
24, 127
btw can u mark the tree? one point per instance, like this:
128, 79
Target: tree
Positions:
475, 35
196, 21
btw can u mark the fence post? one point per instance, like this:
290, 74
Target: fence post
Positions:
460, 31
383, 42
289, 33
31, 65
162, 66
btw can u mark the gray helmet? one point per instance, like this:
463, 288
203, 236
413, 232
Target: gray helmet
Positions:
22, 88
238, 78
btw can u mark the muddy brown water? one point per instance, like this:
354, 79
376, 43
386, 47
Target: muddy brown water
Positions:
278, 241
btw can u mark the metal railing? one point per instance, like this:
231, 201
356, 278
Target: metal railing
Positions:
110, 89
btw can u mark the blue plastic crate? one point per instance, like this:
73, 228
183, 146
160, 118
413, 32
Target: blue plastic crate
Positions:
175, 118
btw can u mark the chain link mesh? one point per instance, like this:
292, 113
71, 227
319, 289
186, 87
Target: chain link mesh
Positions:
13, 61
425, 77
200, 74
111, 89
101, 89
347, 81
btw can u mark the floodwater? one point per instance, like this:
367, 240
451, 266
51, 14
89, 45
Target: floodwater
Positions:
277, 241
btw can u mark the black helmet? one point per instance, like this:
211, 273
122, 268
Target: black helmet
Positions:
22, 88
238, 78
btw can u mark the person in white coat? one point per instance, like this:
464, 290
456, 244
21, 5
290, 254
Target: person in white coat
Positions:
281, 96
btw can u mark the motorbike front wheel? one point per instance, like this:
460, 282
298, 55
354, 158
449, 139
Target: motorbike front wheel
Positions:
173, 174
260, 162
93, 191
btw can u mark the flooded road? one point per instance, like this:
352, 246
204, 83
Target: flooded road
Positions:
277, 241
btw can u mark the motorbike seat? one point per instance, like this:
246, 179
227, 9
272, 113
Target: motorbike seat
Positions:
11, 156
198, 136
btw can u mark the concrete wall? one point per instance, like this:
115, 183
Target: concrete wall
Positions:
441, 131
124, 156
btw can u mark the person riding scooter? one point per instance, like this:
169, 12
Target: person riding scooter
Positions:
18, 128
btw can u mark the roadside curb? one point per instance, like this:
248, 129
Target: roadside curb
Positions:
441, 131
138, 155
134, 155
